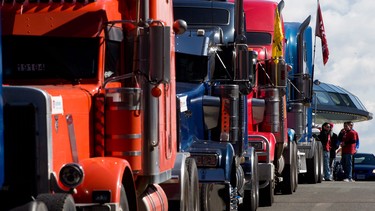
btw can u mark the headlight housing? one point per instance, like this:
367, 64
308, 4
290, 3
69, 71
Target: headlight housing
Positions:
71, 175
258, 145
206, 159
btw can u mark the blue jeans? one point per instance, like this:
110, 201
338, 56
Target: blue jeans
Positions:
326, 167
347, 164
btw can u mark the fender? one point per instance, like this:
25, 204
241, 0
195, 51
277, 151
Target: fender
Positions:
101, 174
253, 136
225, 153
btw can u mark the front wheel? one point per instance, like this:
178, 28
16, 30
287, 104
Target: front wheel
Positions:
184, 203
210, 198
287, 186
296, 161
266, 195
251, 197
194, 198
313, 166
320, 162
32, 206
124, 205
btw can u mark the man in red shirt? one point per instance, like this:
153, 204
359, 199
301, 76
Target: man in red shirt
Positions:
348, 145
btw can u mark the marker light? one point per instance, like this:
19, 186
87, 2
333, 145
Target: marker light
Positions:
156, 91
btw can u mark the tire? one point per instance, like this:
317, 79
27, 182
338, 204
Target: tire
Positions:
295, 151
313, 167
124, 205
183, 204
256, 179
288, 183
32, 206
194, 198
290, 172
287, 186
251, 197
266, 195
210, 200
57, 201
320, 162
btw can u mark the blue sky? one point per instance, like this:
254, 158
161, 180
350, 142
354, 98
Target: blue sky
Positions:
351, 43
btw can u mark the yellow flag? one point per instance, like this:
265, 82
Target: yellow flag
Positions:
277, 43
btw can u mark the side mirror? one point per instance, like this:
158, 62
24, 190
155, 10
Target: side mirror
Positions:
160, 49
253, 59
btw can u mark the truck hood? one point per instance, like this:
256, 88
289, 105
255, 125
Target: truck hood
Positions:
264, 52
62, 114
189, 88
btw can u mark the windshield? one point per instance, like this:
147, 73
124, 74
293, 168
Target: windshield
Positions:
191, 68
364, 159
207, 16
41, 57
258, 38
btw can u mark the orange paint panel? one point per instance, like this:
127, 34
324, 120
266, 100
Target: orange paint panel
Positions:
167, 136
77, 103
56, 19
101, 173
159, 10
123, 126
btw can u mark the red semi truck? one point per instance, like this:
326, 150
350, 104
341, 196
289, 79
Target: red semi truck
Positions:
90, 106
266, 117
267, 104
279, 127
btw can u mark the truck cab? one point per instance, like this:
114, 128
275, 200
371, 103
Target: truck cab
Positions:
211, 89
89, 97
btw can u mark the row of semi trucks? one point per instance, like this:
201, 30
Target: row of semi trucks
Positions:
154, 105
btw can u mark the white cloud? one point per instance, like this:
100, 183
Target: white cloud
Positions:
351, 39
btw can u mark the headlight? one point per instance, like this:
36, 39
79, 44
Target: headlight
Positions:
258, 145
71, 175
206, 160
373, 171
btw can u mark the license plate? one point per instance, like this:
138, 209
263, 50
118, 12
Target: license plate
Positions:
361, 176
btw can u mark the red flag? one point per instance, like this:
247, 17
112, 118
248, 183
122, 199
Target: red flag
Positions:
320, 32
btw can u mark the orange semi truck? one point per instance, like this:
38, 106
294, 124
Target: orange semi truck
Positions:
90, 106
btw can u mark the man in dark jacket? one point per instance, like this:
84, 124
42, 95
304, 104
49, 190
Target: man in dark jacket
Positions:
325, 139
334, 146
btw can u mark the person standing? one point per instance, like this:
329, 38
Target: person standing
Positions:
325, 139
348, 145
334, 146
356, 145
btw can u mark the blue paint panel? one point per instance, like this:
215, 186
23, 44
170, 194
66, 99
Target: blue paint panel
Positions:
191, 119
1, 119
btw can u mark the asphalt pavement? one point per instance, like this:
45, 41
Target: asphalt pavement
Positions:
328, 195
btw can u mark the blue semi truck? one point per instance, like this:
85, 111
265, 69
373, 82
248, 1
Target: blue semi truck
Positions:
299, 56
214, 73
1, 118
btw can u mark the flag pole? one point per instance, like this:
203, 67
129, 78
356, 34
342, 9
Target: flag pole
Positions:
313, 61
